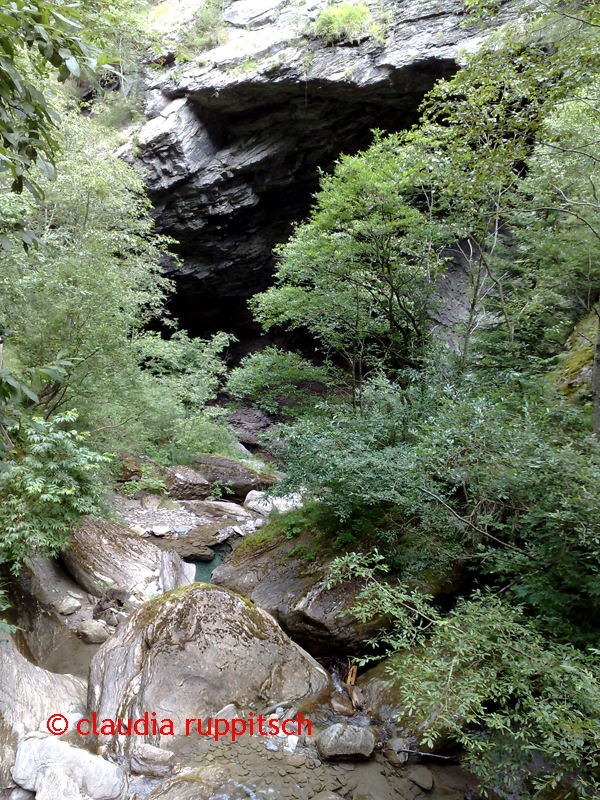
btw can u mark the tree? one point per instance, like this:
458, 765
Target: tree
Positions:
360, 273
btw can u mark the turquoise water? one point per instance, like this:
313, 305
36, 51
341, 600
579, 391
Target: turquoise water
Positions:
204, 568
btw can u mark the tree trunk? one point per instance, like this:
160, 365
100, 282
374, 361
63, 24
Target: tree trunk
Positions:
596, 383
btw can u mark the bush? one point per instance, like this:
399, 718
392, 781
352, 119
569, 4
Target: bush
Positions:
346, 22
207, 29
526, 710
275, 381
51, 481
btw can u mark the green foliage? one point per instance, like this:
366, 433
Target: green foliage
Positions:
52, 480
360, 274
278, 380
42, 36
345, 22
88, 291
206, 30
150, 481
526, 710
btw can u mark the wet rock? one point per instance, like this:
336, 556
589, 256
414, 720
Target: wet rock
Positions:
345, 743
148, 760
184, 483
103, 555
341, 704
208, 642
94, 631
39, 754
197, 784
421, 776
29, 695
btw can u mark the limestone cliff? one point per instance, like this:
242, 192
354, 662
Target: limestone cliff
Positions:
236, 135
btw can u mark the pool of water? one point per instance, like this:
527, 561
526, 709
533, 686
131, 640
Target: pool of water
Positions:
204, 569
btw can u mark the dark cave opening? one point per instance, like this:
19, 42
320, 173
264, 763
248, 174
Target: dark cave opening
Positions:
269, 143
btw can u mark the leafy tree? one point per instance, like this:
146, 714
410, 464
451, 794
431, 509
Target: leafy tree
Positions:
276, 380
360, 273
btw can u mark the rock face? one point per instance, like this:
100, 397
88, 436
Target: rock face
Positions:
105, 556
209, 643
292, 590
235, 137
50, 609
29, 695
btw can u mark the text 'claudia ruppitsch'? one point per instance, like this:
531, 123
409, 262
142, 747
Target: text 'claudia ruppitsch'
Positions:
149, 724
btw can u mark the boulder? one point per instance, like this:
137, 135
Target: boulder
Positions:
56, 785
345, 743
148, 760
233, 478
29, 695
209, 643
94, 631
184, 483
263, 504
39, 754
275, 578
105, 556
420, 776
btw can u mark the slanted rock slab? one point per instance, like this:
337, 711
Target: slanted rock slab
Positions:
29, 695
39, 754
103, 555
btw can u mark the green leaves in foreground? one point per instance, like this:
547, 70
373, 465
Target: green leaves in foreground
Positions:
526, 710
52, 480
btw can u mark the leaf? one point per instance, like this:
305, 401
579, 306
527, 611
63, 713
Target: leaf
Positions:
6, 19
73, 66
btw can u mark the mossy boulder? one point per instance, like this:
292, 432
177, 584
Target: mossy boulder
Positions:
191, 652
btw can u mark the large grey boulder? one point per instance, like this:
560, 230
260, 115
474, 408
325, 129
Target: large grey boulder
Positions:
189, 654
233, 478
105, 556
29, 695
40, 754
345, 743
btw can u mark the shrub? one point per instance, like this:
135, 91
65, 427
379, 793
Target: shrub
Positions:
275, 380
50, 482
206, 31
346, 22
